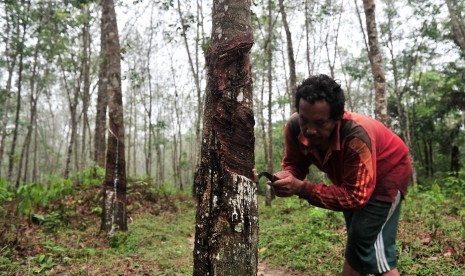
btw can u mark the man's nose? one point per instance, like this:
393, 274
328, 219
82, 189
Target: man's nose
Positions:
311, 131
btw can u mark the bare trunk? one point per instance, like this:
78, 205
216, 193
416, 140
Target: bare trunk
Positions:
268, 189
376, 63
114, 215
194, 66
178, 151
148, 107
86, 51
73, 97
11, 155
269, 55
290, 56
456, 20
24, 160
307, 38
403, 115
10, 64
160, 160
102, 103
226, 237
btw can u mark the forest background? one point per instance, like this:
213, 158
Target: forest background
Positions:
49, 83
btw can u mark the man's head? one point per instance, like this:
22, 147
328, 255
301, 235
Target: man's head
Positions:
322, 87
320, 104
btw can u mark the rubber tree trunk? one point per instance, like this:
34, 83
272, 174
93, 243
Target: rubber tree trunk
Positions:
114, 188
376, 61
226, 234
102, 104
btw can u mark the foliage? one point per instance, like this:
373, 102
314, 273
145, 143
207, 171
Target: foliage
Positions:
5, 194
32, 195
152, 245
298, 236
294, 235
92, 176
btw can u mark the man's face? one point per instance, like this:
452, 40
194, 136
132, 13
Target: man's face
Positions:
315, 122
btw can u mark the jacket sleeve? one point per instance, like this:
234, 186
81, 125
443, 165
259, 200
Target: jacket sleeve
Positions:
358, 181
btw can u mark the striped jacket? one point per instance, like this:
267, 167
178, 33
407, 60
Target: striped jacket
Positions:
365, 161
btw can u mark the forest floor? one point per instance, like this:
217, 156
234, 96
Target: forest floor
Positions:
296, 239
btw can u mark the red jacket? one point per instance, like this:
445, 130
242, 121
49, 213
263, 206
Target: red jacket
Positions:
365, 160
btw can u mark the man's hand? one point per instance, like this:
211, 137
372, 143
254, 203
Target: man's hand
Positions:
287, 185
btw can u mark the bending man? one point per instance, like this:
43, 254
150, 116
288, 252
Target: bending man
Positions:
367, 163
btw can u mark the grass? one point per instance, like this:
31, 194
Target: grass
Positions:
431, 238
294, 237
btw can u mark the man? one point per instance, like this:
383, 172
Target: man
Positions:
367, 163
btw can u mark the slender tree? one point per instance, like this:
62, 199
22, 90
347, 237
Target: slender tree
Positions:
86, 71
269, 58
22, 30
226, 233
11, 38
102, 103
290, 55
376, 62
457, 22
114, 188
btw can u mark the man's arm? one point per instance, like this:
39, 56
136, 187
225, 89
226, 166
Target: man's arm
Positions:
358, 182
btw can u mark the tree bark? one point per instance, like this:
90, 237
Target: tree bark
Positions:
86, 59
114, 191
21, 46
269, 57
10, 65
33, 97
102, 104
194, 66
456, 20
290, 56
404, 119
226, 237
73, 97
376, 62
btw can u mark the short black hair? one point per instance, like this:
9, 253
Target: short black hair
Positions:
322, 87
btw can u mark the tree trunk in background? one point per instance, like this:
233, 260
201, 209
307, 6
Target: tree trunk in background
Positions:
376, 62
269, 58
149, 106
307, 38
290, 56
458, 25
102, 103
10, 65
177, 154
194, 68
226, 236
21, 46
86, 59
261, 118
33, 96
399, 93
73, 101
114, 191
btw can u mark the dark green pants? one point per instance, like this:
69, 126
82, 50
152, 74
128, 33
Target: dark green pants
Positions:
371, 236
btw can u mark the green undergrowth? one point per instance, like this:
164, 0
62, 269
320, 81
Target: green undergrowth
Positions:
62, 237
310, 241
158, 242
301, 238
